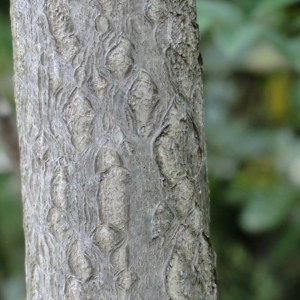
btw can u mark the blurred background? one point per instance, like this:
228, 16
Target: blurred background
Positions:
251, 54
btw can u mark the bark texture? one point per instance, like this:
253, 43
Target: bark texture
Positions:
113, 159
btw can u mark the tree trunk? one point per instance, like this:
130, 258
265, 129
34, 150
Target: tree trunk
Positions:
113, 159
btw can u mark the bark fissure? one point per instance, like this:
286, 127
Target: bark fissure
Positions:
113, 159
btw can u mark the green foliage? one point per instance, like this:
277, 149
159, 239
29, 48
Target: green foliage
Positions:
270, 6
237, 29
5, 45
12, 243
252, 92
6, 60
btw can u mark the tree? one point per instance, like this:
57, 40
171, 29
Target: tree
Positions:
113, 159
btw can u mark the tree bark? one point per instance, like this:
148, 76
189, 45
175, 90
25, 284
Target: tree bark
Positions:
113, 159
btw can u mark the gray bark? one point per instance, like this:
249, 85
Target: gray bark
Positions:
113, 159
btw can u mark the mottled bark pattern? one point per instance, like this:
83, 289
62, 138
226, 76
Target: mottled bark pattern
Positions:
109, 102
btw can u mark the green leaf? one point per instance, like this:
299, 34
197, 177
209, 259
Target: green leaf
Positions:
5, 45
286, 240
267, 209
264, 57
235, 42
288, 47
214, 13
268, 6
205, 24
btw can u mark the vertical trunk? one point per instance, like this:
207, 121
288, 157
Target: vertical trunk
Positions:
113, 159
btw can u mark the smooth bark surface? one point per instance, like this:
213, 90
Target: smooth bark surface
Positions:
113, 159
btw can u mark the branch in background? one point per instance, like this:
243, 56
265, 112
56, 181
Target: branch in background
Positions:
8, 135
